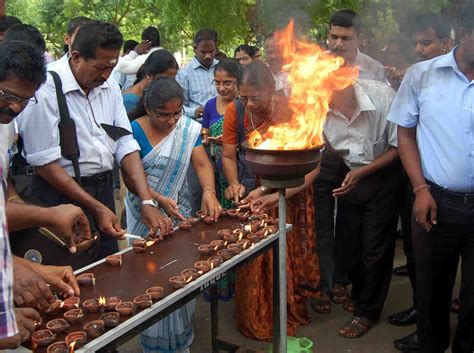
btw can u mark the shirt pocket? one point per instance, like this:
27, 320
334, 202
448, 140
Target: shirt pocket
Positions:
374, 148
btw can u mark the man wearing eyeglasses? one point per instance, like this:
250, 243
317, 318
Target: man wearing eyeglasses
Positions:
103, 133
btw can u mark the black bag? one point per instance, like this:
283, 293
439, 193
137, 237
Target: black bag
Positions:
246, 177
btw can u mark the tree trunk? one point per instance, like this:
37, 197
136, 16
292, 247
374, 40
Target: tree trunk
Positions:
2, 8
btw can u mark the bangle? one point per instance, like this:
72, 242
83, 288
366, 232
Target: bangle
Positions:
209, 189
264, 189
423, 186
13, 198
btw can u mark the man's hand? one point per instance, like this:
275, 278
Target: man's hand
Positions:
425, 209
108, 223
143, 47
154, 220
210, 205
29, 289
69, 221
350, 181
198, 112
234, 192
26, 319
60, 278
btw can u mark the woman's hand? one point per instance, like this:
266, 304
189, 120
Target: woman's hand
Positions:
264, 203
253, 195
168, 205
234, 192
210, 205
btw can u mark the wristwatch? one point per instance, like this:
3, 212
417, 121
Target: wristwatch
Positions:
151, 202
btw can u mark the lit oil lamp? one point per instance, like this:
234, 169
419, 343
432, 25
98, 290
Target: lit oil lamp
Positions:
73, 316
230, 238
225, 254
76, 340
217, 244
205, 249
86, 279
178, 281
94, 328
254, 238
111, 303
234, 248
202, 266
233, 213
190, 272
244, 216
71, 303
92, 305
54, 307
58, 347
222, 232
256, 225
192, 220
215, 261
57, 325
139, 246
42, 338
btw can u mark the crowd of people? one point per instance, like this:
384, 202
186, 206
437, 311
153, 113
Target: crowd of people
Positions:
398, 158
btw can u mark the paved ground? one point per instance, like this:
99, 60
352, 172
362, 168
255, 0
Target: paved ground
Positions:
322, 330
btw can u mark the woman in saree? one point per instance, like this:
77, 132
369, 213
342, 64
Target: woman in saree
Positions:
253, 307
169, 141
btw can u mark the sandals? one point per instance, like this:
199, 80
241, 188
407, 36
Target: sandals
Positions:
321, 305
349, 305
356, 328
339, 294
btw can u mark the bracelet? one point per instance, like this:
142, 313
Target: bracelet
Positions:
423, 186
209, 189
13, 198
264, 189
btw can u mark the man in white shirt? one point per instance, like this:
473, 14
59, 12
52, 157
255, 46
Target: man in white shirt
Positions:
103, 133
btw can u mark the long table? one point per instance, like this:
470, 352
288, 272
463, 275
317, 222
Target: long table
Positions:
153, 268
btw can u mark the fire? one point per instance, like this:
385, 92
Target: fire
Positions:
265, 233
102, 300
241, 234
248, 228
71, 346
313, 75
212, 265
189, 279
150, 243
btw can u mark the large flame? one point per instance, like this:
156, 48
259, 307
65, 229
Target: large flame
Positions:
313, 75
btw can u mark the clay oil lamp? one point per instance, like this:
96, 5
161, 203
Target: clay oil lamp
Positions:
200, 214
178, 281
58, 347
92, 305
234, 248
73, 316
156, 293
184, 225
254, 238
233, 213
110, 319
139, 246
217, 244
190, 273
208, 219
215, 261
111, 303
202, 266
76, 339
244, 243
230, 238
71, 303
272, 229
114, 260
143, 301
57, 325
86, 279
205, 249
54, 307
94, 328
222, 232
192, 220
273, 221
124, 308
225, 254
169, 233
243, 217
43, 337
255, 225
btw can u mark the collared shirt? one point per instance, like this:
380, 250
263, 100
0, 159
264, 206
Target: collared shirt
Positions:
438, 99
8, 325
197, 82
369, 69
130, 64
7, 149
362, 139
38, 125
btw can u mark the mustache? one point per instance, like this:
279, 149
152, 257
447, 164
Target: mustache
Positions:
8, 112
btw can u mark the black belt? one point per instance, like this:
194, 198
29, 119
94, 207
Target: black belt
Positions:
22, 170
457, 197
97, 179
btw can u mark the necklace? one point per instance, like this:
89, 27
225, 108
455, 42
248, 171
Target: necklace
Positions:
271, 112
152, 140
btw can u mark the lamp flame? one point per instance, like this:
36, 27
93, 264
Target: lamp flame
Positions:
102, 300
71, 346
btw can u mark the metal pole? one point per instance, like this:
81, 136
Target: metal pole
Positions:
282, 269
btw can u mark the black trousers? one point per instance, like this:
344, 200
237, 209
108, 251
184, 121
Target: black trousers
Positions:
330, 245
406, 207
367, 222
437, 256
99, 187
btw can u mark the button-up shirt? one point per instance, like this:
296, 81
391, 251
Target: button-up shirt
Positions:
7, 136
369, 69
197, 82
367, 135
8, 325
438, 99
130, 64
38, 125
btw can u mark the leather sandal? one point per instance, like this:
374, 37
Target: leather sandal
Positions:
321, 305
339, 294
356, 328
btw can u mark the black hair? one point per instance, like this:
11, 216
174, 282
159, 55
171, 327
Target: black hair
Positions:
345, 18
204, 35
258, 75
160, 91
247, 49
8, 21
466, 19
231, 66
75, 23
423, 22
153, 35
96, 34
157, 63
27, 33
129, 45
21, 60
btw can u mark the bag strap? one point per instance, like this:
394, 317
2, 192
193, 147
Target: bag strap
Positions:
240, 121
67, 129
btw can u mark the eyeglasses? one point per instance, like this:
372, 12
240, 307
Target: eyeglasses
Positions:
167, 116
226, 84
12, 99
253, 99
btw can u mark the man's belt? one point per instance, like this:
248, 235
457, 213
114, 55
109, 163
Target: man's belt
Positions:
97, 179
457, 197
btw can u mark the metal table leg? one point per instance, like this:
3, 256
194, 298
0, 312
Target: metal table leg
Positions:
214, 318
276, 298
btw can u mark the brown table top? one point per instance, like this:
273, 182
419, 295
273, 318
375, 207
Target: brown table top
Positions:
153, 268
